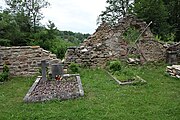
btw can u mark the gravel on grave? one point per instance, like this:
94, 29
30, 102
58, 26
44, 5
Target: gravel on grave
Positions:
66, 88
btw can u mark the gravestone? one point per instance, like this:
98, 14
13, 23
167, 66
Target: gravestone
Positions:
57, 69
43, 65
1, 57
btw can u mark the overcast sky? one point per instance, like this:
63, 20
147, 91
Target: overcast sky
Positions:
73, 15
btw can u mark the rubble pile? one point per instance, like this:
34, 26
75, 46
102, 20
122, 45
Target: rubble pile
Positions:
108, 43
174, 70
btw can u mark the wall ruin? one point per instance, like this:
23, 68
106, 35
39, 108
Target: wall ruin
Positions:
108, 43
24, 60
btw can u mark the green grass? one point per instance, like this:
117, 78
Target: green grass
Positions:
104, 99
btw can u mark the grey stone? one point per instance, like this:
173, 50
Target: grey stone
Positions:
1, 58
43, 65
57, 69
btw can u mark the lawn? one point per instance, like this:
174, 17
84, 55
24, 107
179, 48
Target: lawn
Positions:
104, 99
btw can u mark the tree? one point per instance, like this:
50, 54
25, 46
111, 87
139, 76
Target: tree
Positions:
9, 29
52, 30
115, 10
173, 7
155, 11
29, 8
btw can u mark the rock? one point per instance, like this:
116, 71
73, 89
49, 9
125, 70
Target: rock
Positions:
173, 70
84, 50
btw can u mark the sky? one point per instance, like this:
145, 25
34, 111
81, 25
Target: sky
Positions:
73, 15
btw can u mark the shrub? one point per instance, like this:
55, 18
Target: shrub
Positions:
115, 66
5, 68
74, 67
4, 76
4, 42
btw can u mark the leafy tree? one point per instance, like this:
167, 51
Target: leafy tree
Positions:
155, 11
115, 10
173, 7
28, 8
9, 30
52, 30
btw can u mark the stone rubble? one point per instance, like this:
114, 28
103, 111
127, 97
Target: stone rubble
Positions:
173, 70
173, 54
108, 43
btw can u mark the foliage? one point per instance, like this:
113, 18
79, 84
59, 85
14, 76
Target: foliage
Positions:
4, 42
74, 68
173, 7
115, 10
114, 66
59, 47
4, 76
72, 37
28, 8
155, 11
5, 68
131, 34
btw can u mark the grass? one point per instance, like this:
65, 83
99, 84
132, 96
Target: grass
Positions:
104, 99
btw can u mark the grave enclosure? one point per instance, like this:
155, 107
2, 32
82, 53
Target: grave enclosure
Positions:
69, 86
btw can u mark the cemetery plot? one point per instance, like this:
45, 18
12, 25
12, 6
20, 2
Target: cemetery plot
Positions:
133, 81
68, 88
61, 86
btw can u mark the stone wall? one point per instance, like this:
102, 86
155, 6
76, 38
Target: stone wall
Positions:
173, 54
24, 60
108, 43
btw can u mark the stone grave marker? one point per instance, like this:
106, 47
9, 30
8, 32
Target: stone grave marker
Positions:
57, 69
43, 65
1, 57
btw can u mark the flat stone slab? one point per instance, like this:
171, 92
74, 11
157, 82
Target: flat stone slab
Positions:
69, 87
177, 67
173, 70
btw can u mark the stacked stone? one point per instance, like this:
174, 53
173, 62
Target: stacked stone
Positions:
88, 56
24, 60
108, 43
174, 70
173, 54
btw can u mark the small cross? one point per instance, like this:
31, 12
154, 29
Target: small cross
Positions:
43, 65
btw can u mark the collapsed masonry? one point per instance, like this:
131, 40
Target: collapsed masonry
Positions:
108, 43
173, 70
173, 54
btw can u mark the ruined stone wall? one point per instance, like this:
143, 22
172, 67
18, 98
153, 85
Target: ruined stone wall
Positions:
173, 54
24, 60
152, 50
108, 43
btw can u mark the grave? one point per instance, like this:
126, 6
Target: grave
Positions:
134, 81
57, 70
43, 65
43, 89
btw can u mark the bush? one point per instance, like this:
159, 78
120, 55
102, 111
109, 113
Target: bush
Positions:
4, 76
5, 68
74, 68
115, 66
4, 42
